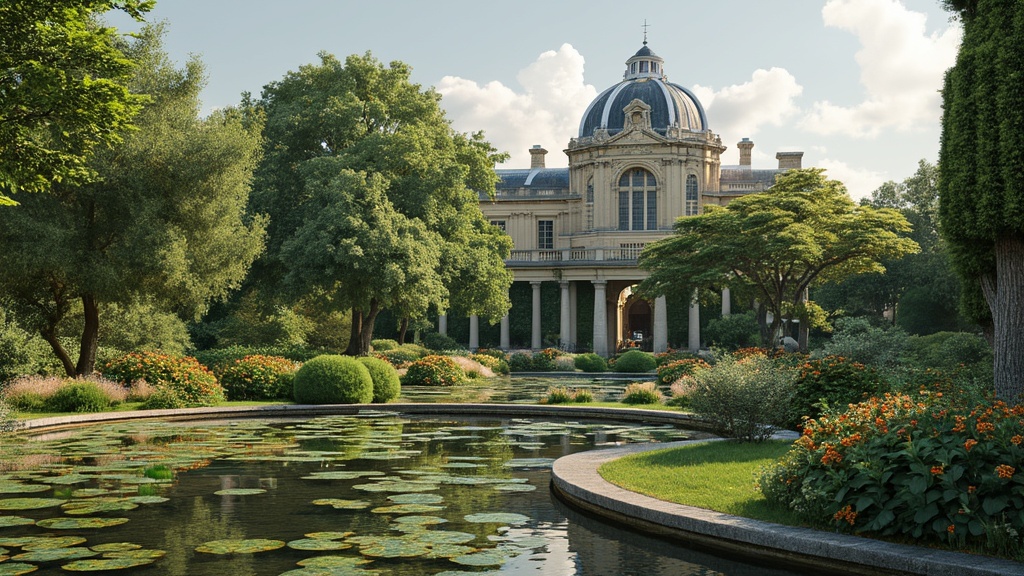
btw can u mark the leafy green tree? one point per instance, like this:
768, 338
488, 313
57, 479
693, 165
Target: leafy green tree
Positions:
63, 90
358, 135
981, 184
777, 244
165, 226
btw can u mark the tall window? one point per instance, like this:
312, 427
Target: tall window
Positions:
638, 200
499, 224
691, 195
546, 234
590, 204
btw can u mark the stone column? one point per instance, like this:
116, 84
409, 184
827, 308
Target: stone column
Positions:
660, 325
474, 332
564, 319
600, 318
442, 324
726, 302
535, 341
573, 320
694, 331
505, 340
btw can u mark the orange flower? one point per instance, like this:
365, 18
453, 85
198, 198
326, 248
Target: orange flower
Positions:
936, 470
1005, 471
984, 427
971, 489
971, 442
951, 528
1017, 439
831, 455
846, 513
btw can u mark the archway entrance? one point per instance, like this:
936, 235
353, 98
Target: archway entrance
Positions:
635, 321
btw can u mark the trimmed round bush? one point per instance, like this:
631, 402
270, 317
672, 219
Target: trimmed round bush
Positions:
383, 344
520, 362
635, 361
258, 377
434, 370
590, 362
544, 361
78, 396
386, 385
194, 383
333, 379
642, 393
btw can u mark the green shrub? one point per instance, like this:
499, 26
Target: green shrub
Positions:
520, 362
7, 421
383, 344
499, 354
497, 365
829, 381
29, 393
219, 358
590, 362
582, 396
404, 355
947, 350
386, 385
635, 361
545, 360
78, 396
924, 466
671, 355
440, 342
194, 383
15, 349
163, 398
642, 393
558, 395
733, 331
746, 398
434, 370
858, 340
333, 379
669, 373
257, 377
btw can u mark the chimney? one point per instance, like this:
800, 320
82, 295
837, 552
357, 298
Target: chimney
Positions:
745, 147
790, 160
537, 156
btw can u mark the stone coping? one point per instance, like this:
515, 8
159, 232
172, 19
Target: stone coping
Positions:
576, 480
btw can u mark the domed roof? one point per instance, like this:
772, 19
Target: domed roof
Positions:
644, 79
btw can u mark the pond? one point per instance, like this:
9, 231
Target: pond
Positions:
523, 389
374, 493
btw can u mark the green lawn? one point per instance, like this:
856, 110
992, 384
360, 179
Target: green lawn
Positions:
716, 476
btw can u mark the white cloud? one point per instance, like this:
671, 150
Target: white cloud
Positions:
546, 111
740, 110
859, 183
901, 69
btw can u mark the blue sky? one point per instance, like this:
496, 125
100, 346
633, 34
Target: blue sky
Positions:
851, 83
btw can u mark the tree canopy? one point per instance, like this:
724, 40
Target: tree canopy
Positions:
803, 231
164, 227
63, 90
358, 138
981, 183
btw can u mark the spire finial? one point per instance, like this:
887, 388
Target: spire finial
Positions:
645, 31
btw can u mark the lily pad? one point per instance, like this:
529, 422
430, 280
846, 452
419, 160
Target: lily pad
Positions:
79, 523
497, 518
153, 553
329, 536
239, 492
16, 568
392, 547
53, 554
8, 521
407, 509
341, 475
530, 463
96, 505
393, 486
449, 551
318, 544
341, 504
482, 558
101, 564
240, 546
50, 542
29, 503
148, 499
116, 547
13, 487
435, 537
420, 520
416, 498
515, 487
330, 562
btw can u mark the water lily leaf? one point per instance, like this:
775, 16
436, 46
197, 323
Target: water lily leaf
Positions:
116, 547
148, 499
420, 520
529, 463
96, 505
89, 492
50, 542
449, 551
482, 558
515, 487
98, 565
16, 568
79, 523
498, 518
240, 546
329, 536
392, 486
329, 562
53, 554
462, 465
239, 492
154, 554
341, 475
407, 509
341, 504
15, 487
29, 503
8, 521
416, 498
435, 537
318, 544
392, 547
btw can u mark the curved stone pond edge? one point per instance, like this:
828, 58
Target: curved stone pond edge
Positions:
575, 480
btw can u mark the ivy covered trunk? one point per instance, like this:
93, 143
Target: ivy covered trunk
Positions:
1005, 295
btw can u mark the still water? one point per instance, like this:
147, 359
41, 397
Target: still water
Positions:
378, 493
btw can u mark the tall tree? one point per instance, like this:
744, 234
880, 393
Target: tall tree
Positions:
165, 225
63, 90
380, 131
981, 183
802, 231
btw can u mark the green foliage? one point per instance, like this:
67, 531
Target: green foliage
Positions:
590, 362
947, 350
582, 396
857, 340
220, 358
832, 381
7, 421
635, 361
733, 331
164, 399
498, 365
544, 361
333, 379
439, 342
434, 370
669, 373
78, 397
386, 385
15, 351
143, 326
194, 383
383, 344
925, 466
558, 395
520, 362
257, 377
745, 398
405, 354
642, 393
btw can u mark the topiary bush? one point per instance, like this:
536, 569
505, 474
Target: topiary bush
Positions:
642, 393
520, 362
440, 342
78, 396
829, 381
383, 344
333, 379
635, 361
590, 362
669, 373
182, 375
746, 398
258, 377
386, 385
434, 370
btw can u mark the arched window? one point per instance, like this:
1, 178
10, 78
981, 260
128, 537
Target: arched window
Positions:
691, 195
590, 204
638, 200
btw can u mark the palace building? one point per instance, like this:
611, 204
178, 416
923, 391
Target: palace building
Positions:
644, 156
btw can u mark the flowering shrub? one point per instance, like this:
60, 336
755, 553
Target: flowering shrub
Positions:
830, 381
922, 465
642, 393
182, 375
635, 361
258, 377
544, 361
29, 393
497, 365
669, 373
671, 355
746, 398
434, 371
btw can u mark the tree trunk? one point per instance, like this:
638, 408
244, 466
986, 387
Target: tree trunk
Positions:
805, 324
50, 335
90, 336
368, 321
762, 324
403, 326
1005, 294
355, 332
